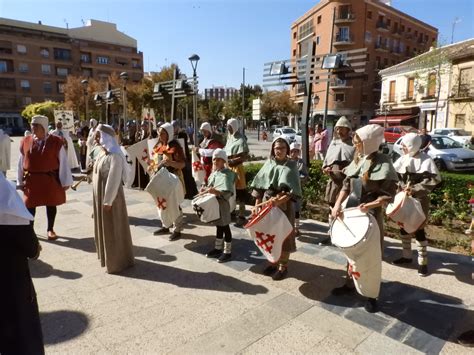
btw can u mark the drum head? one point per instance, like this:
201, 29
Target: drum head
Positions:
396, 204
352, 231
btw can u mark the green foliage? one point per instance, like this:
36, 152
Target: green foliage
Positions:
315, 187
250, 171
45, 108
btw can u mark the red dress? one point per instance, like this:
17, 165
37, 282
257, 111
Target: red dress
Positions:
41, 172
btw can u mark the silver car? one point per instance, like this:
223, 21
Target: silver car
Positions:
285, 132
446, 152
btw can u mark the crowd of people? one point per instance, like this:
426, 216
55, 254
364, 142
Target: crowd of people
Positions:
362, 181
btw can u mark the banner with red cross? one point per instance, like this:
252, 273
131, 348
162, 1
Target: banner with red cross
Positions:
199, 174
269, 229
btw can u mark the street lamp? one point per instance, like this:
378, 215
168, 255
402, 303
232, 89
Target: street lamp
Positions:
85, 84
124, 77
194, 59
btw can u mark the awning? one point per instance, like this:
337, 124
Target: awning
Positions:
392, 119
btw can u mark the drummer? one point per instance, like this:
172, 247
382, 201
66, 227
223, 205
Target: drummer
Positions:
418, 176
221, 184
168, 153
279, 178
372, 179
237, 153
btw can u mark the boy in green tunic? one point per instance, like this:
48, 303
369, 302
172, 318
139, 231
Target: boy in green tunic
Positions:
221, 184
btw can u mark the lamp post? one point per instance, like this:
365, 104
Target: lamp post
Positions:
124, 78
85, 84
194, 59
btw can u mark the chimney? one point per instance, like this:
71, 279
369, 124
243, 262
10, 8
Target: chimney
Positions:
39, 22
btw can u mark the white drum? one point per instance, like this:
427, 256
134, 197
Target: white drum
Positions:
269, 229
407, 212
162, 184
351, 231
206, 207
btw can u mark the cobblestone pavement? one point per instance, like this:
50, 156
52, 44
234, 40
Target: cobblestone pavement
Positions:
175, 300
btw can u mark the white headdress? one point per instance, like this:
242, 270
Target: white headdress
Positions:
12, 209
372, 136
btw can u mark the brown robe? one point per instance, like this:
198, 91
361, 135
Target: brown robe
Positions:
112, 235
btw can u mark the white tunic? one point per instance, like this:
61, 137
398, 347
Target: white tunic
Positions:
5, 151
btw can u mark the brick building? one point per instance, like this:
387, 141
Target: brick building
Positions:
390, 36
36, 59
220, 93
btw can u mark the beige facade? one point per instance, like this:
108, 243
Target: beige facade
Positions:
433, 90
36, 59
389, 35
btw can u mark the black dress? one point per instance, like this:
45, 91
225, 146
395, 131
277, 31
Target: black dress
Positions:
20, 327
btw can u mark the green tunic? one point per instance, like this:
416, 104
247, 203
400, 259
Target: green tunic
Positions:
223, 181
236, 145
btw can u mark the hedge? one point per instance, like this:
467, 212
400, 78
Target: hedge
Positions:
449, 201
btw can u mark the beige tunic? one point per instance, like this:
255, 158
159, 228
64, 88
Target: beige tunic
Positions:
111, 229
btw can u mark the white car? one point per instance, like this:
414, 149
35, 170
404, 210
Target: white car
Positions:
285, 132
446, 153
458, 134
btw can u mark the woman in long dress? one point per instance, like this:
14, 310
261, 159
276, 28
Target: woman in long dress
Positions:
111, 228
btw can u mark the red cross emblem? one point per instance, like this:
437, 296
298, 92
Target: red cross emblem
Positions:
354, 274
145, 154
265, 241
197, 166
161, 203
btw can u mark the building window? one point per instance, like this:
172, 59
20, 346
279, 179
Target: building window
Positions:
318, 38
25, 84
62, 71
21, 48
391, 92
26, 100
3, 66
368, 37
47, 87
46, 68
8, 84
385, 62
305, 30
465, 78
389, 22
62, 54
294, 35
23, 68
61, 87
340, 97
102, 60
343, 34
44, 52
431, 85
85, 58
136, 63
319, 19
369, 15
460, 121
410, 88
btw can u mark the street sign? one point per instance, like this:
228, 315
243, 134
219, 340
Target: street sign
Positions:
256, 105
66, 118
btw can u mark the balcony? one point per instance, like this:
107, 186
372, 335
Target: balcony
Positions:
380, 47
395, 50
339, 84
344, 17
382, 26
343, 40
409, 36
397, 33
465, 92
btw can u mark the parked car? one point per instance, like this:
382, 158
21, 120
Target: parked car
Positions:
286, 132
391, 134
458, 134
446, 153
274, 127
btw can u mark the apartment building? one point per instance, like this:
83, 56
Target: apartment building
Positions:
432, 90
220, 93
389, 35
35, 60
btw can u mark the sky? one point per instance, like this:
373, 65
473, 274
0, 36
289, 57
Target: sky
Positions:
228, 35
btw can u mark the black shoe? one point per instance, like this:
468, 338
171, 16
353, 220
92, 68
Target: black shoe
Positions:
401, 261
371, 305
162, 230
423, 270
269, 270
466, 339
280, 274
241, 221
326, 241
224, 257
343, 290
214, 253
174, 236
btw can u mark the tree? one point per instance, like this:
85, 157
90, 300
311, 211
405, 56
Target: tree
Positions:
278, 105
45, 108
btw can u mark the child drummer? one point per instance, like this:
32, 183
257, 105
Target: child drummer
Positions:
221, 184
295, 154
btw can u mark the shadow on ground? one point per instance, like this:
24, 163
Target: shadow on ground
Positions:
61, 326
40, 269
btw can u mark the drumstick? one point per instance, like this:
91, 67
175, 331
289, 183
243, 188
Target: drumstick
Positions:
265, 202
345, 226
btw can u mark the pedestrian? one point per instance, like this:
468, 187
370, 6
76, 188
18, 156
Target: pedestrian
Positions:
418, 176
20, 327
221, 184
91, 142
311, 143
320, 142
206, 148
279, 177
168, 154
43, 171
182, 138
295, 155
372, 179
5, 152
68, 145
111, 227
237, 152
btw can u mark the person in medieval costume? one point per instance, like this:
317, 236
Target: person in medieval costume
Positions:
68, 144
295, 155
111, 227
43, 171
20, 327
237, 152
5, 152
221, 183
340, 154
372, 182
169, 154
279, 178
418, 176
182, 138
207, 147
91, 142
